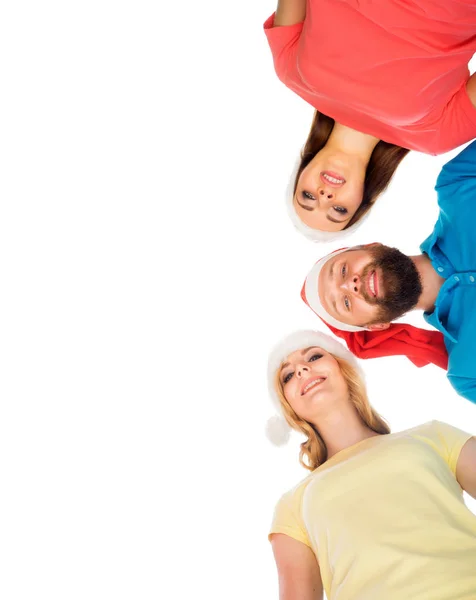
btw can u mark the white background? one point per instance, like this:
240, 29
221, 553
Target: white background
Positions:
147, 267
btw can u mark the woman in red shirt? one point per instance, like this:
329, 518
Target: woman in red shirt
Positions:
384, 77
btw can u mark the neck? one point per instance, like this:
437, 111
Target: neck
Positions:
351, 141
430, 280
342, 428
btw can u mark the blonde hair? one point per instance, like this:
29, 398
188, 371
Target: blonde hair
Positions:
313, 450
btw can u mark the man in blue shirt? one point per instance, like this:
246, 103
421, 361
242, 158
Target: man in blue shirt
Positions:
359, 291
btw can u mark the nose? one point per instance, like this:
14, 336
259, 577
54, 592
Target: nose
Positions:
302, 370
325, 193
352, 284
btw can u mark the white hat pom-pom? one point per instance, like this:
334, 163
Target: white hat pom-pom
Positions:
277, 431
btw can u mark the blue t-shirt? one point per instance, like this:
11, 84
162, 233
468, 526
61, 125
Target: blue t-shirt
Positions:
452, 251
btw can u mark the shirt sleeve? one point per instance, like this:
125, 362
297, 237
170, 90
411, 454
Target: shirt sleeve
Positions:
461, 168
456, 188
283, 41
449, 442
464, 386
287, 518
458, 123
461, 364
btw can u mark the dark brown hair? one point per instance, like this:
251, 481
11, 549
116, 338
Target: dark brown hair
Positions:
382, 165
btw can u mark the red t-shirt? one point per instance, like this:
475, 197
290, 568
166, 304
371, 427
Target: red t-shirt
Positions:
394, 69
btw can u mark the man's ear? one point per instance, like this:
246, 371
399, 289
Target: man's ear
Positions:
378, 326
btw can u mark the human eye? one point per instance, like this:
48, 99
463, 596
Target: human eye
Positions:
346, 303
343, 270
287, 377
307, 195
314, 357
340, 209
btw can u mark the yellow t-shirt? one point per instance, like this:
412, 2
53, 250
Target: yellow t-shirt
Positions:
386, 518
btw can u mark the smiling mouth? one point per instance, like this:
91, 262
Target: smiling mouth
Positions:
372, 283
312, 384
332, 179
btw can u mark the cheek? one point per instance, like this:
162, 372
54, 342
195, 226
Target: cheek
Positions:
355, 195
365, 311
293, 396
307, 177
300, 408
342, 384
288, 393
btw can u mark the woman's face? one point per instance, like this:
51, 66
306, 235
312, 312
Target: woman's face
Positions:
330, 190
312, 381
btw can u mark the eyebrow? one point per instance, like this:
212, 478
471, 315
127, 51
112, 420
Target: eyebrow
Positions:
306, 207
309, 208
335, 220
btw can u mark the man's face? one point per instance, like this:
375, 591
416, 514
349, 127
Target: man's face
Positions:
369, 286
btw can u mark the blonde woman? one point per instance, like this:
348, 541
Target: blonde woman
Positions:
381, 514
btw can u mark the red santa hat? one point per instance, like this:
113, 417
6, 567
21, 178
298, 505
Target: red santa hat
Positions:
277, 428
421, 346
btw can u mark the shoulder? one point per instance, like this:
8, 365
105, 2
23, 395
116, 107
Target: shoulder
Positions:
447, 440
289, 505
432, 429
430, 433
288, 517
461, 364
425, 429
460, 168
296, 493
456, 125
283, 41
281, 35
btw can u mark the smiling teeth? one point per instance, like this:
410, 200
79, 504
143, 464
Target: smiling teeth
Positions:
372, 283
332, 179
312, 384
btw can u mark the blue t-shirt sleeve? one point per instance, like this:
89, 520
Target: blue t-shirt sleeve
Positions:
461, 356
455, 230
464, 386
460, 170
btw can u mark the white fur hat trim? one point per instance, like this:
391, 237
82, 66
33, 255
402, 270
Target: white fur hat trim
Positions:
315, 235
311, 290
277, 429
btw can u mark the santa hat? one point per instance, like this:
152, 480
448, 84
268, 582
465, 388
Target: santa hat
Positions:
421, 346
315, 235
277, 428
